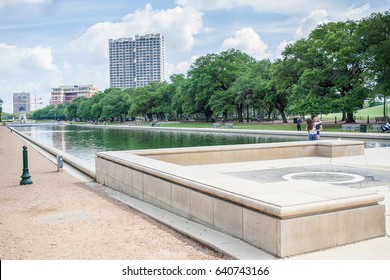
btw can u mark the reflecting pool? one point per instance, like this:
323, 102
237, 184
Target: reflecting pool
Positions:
84, 142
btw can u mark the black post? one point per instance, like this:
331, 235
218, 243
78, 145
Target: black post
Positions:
25, 176
247, 108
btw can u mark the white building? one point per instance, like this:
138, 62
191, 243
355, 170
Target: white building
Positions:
137, 62
65, 94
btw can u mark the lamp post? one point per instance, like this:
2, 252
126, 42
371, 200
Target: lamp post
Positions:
25, 176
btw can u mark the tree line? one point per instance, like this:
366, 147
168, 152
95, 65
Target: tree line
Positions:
337, 68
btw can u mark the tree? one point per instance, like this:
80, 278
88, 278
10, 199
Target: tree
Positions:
234, 69
374, 36
140, 101
329, 66
161, 100
210, 81
115, 104
178, 81
251, 88
201, 85
84, 109
71, 108
97, 106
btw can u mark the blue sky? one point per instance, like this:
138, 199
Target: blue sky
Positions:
47, 43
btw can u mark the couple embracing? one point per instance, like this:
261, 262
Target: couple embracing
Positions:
313, 127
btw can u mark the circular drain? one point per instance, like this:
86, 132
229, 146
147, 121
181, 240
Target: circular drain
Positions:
325, 177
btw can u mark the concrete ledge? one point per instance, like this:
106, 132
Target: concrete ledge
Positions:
339, 148
284, 218
253, 152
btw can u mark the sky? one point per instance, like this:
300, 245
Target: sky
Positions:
48, 43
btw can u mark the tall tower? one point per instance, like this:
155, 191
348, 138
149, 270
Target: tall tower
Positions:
21, 102
135, 62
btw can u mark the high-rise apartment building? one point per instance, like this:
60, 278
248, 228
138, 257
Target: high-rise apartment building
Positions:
21, 102
65, 94
137, 62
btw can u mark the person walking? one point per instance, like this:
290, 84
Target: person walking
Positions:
299, 124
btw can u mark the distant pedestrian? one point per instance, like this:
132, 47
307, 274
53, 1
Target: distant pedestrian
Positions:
299, 124
385, 127
311, 129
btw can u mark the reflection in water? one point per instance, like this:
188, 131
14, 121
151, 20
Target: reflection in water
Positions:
84, 142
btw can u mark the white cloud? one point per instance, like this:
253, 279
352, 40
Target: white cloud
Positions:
282, 45
280, 6
248, 41
26, 69
178, 25
208, 30
16, 60
4, 3
181, 67
310, 22
357, 13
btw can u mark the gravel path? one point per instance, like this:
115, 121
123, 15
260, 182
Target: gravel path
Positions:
60, 218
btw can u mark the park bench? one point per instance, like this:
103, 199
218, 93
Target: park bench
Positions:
216, 125
381, 120
350, 128
136, 123
375, 128
228, 125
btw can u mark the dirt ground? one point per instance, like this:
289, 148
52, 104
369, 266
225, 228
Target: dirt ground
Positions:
60, 218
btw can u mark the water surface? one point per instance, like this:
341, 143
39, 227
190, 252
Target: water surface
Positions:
84, 142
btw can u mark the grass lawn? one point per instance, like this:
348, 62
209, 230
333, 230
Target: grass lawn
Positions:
329, 124
253, 126
361, 115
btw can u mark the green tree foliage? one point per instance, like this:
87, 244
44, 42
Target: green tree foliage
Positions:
374, 35
202, 84
114, 105
210, 80
72, 107
140, 102
235, 69
330, 68
50, 113
162, 100
178, 81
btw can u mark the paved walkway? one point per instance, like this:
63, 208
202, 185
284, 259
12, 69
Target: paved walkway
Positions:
377, 249
61, 217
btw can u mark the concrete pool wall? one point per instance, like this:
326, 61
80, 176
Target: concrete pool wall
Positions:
284, 218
